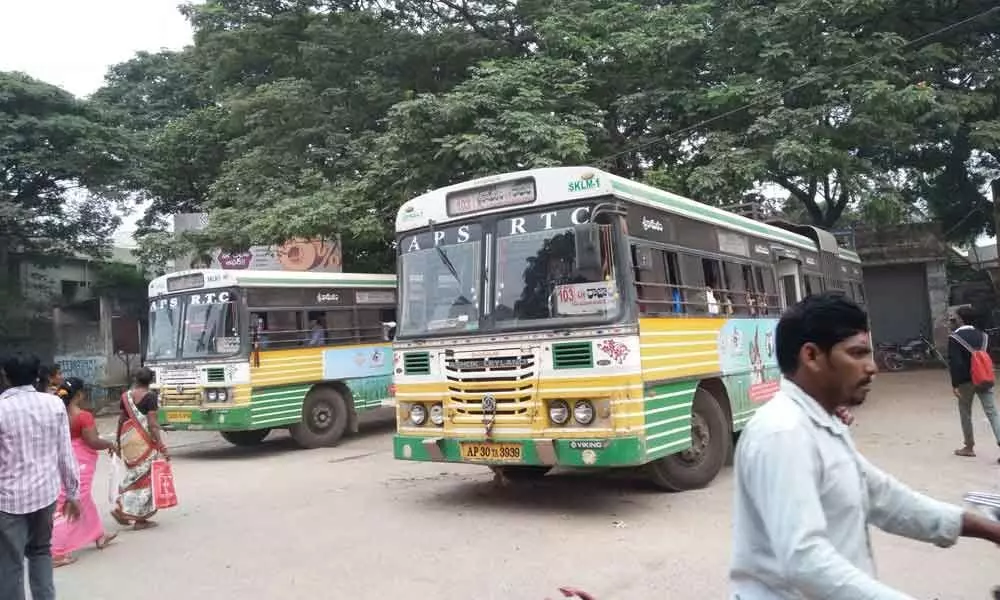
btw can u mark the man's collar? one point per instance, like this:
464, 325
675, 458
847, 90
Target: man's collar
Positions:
20, 388
811, 407
965, 328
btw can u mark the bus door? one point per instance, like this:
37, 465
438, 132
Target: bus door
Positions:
789, 281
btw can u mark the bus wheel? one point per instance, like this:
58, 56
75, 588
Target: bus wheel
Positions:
245, 438
696, 467
324, 419
523, 473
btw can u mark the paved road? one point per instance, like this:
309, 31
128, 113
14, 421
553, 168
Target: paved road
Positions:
350, 522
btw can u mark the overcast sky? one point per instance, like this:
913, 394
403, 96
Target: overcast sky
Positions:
71, 43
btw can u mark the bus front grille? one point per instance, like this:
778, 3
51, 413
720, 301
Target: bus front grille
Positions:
509, 377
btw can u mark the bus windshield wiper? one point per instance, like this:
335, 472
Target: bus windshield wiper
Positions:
444, 257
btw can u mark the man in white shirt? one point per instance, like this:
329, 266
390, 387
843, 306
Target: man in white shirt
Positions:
36, 458
804, 495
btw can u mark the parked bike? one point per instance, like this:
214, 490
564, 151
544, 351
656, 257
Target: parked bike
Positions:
916, 351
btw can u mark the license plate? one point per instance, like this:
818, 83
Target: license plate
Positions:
179, 417
490, 451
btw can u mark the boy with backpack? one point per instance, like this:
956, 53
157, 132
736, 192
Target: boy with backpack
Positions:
971, 375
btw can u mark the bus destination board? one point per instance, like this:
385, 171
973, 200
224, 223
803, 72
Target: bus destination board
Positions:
508, 193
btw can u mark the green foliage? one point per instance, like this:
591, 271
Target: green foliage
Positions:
53, 146
317, 118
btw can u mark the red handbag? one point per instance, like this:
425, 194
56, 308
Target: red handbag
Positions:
164, 492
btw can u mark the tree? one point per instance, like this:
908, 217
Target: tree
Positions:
58, 161
313, 118
52, 146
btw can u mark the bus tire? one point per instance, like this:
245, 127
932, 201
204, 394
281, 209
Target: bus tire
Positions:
521, 473
245, 438
711, 438
324, 419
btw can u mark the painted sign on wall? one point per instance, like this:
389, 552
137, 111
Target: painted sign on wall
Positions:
88, 368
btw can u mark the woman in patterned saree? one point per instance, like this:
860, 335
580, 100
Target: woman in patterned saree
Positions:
140, 443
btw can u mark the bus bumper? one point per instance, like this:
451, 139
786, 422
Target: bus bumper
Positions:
610, 452
196, 418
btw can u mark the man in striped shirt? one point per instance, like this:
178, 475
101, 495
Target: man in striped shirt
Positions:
35, 458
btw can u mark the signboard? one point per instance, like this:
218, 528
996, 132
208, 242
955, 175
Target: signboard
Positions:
376, 297
733, 243
185, 282
589, 298
650, 225
295, 255
508, 193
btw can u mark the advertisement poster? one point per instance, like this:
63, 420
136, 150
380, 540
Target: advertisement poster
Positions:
746, 350
294, 255
350, 363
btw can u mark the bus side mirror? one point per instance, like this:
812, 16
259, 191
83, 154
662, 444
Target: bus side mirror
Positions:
588, 248
388, 330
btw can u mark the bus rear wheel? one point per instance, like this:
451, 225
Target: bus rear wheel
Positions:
245, 438
696, 467
324, 419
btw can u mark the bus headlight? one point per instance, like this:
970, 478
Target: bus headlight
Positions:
583, 412
558, 412
418, 414
213, 396
437, 415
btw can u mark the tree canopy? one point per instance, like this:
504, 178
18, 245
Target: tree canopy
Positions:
305, 118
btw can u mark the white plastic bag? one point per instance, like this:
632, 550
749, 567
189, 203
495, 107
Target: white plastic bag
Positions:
116, 471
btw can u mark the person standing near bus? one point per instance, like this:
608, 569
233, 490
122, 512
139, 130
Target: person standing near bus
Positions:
804, 494
35, 458
963, 341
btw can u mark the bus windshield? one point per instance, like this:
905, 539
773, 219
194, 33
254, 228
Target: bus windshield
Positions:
555, 275
440, 275
194, 325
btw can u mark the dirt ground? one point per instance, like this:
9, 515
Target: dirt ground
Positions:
351, 522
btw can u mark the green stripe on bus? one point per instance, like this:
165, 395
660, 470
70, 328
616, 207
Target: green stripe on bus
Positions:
667, 420
275, 406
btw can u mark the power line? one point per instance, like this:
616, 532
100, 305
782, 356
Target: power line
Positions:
792, 88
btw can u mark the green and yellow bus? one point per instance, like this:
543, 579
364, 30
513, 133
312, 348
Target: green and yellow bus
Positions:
245, 352
567, 316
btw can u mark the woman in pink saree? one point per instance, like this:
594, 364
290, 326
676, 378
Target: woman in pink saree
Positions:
69, 536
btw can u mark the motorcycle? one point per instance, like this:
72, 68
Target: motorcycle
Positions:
918, 351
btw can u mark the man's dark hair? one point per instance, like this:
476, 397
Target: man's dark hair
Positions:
823, 319
143, 376
21, 370
968, 315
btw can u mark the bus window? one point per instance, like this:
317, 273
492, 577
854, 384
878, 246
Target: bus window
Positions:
767, 298
675, 290
340, 326
316, 329
650, 281
658, 282
370, 319
714, 285
280, 329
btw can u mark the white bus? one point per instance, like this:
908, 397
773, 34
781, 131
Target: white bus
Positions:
568, 316
245, 352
